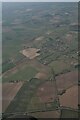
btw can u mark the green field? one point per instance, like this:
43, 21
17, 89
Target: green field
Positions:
59, 66
24, 74
26, 99
69, 113
22, 99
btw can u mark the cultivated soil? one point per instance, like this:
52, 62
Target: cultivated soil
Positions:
9, 90
67, 80
70, 98
31, 53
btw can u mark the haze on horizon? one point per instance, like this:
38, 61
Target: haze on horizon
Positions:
39, 0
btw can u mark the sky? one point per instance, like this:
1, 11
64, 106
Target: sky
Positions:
39, 0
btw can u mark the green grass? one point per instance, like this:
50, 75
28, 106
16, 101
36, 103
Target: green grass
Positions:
59, 66
26, 99
7, 66
66, 113
35, 104
22, 74
22, 100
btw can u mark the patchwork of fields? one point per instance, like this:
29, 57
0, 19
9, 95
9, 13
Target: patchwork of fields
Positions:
40, 59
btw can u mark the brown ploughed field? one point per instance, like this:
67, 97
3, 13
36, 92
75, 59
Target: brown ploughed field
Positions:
70, 98
9, 90
67, 80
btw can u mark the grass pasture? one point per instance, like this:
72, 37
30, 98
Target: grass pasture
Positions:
23, 97
7, 66
44, 98
59, 66
22, 74
27, 99
46, 114
66, 113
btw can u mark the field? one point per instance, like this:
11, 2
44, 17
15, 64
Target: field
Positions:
69, 113
22, 99
61, 65
31, 53
46, 92
50, 114
32, 101
67, 80
40, 59
44, 98
9, 91
69, 98
21, 74
41, 75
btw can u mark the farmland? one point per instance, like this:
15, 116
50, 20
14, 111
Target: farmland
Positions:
40, 59
8, 93
51, 114
21, 74
69, 98
30, 52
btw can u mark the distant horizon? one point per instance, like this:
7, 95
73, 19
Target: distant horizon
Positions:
39, 0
